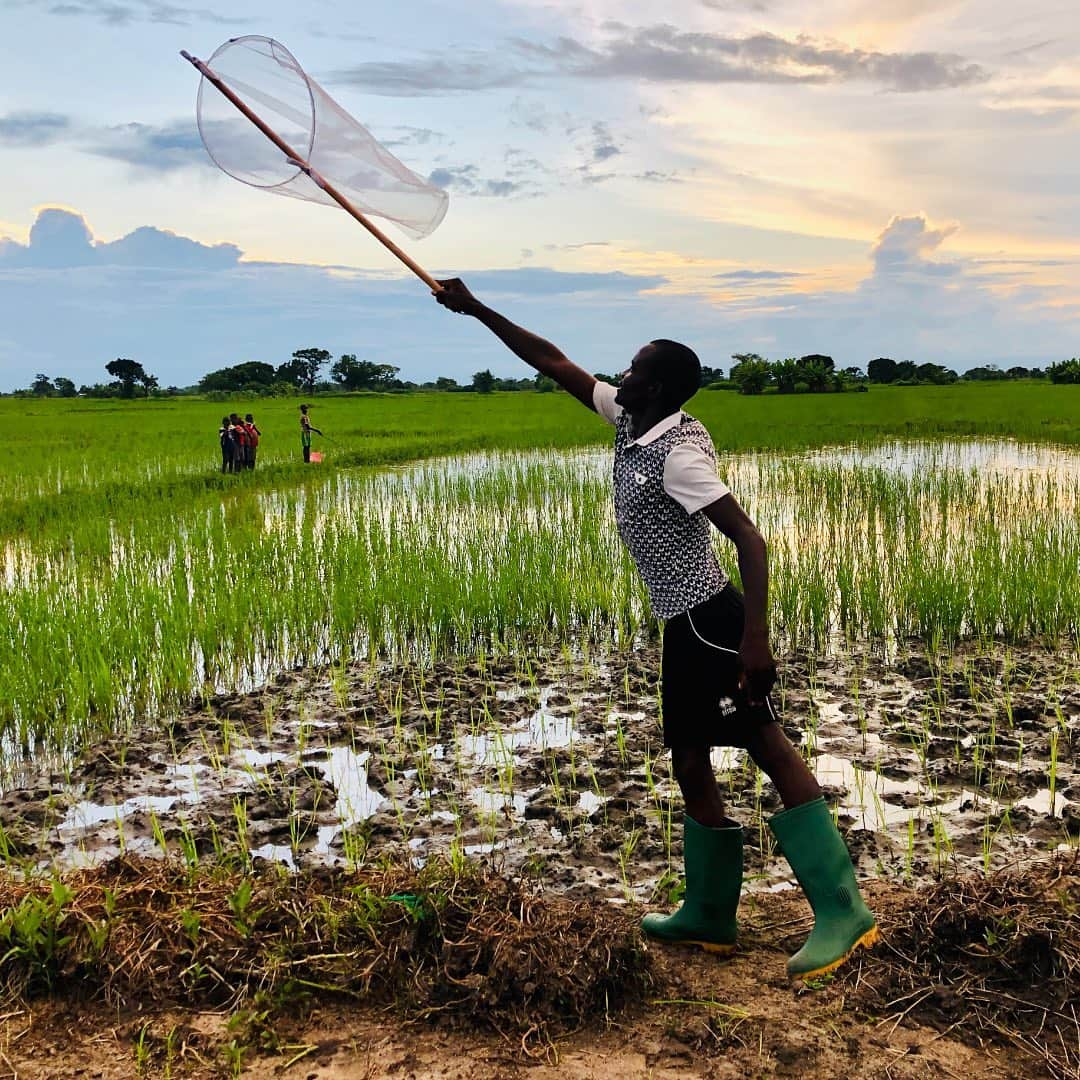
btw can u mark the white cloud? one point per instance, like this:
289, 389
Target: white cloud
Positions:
666, 54
61, 239
916, 304
69, 304
906, 242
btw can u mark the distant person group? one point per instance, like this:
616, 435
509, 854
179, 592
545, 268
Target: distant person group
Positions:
239, 443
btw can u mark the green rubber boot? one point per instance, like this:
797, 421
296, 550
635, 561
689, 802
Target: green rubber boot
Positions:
812, 844
713, 859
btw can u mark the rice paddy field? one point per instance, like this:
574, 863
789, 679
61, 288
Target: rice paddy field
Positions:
431, 648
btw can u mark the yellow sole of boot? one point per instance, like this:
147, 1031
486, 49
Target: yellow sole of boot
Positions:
713, 948
871, 937
709, 946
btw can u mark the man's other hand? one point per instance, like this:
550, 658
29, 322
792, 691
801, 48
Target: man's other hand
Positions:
758, 668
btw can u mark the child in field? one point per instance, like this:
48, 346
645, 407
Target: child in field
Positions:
226, 440
717, 667
305, 432
253, 436
240, 443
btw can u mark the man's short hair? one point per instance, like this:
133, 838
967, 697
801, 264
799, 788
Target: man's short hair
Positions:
678, 370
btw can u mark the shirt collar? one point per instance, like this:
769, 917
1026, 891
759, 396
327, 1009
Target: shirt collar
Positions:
657, 430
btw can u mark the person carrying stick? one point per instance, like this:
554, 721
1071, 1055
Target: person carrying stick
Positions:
305, 433
717, 668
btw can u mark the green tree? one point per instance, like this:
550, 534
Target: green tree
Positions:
812, 374
353, 374
1067, 371
750, 373
302, 370
483, 382
253, 375
127, 373
816, 372
42, 386
984, 373
786, 374
444, 382
935, 374
881, 370
515, 384
64, 387
851, 378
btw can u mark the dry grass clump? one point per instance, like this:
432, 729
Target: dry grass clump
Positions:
449, 939
997, 957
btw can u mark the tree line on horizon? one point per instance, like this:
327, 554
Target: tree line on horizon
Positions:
817, 373
750, 374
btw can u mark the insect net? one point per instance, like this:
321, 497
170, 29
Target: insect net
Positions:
264, 75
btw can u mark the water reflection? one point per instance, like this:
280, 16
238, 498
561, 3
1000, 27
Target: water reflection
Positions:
1004, 456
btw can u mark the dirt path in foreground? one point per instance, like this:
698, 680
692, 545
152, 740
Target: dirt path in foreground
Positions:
708, 1018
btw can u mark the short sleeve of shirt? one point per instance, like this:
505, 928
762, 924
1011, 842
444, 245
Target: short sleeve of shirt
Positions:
690, 478
603, 397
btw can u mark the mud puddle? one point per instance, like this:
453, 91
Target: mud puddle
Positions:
553, 765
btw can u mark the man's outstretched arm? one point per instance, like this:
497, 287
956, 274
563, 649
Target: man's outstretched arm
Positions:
534, 350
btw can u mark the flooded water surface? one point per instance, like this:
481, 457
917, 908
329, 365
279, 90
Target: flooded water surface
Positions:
470, 668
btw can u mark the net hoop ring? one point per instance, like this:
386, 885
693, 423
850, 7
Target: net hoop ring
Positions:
282, 55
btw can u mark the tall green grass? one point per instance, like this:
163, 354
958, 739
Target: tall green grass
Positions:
72, 462
130, 617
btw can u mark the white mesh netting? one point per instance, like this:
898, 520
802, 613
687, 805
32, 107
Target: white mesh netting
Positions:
269, 81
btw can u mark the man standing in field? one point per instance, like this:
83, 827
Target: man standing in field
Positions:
305, 433
717, 668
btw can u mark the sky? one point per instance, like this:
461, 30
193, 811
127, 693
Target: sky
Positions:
859, 178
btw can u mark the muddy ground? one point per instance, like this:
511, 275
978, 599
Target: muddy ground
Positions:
552, 766
705, 1018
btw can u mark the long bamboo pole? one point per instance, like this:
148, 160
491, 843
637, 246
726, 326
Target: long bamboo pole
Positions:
316, 178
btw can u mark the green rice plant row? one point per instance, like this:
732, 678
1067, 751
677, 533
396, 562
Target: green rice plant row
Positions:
517, 549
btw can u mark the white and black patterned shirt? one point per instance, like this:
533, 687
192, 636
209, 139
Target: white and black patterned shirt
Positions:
661, 482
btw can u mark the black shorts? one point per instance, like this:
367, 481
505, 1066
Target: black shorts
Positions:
699, 676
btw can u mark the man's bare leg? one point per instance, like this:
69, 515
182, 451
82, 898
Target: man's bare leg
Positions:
697, 782
773, 753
